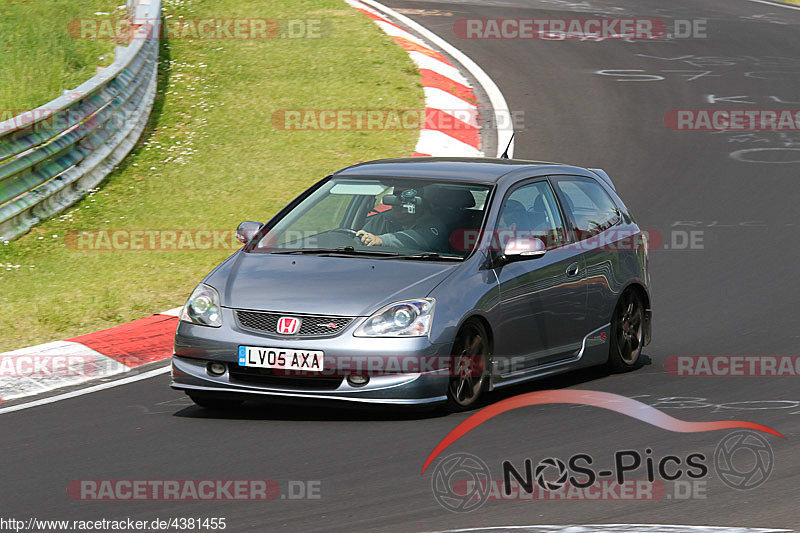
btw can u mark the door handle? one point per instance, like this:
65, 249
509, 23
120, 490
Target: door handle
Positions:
573, 269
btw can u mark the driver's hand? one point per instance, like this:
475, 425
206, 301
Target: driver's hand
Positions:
368, 238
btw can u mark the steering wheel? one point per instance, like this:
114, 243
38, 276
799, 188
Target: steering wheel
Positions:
347, 231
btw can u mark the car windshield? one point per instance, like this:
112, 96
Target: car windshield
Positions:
382, 217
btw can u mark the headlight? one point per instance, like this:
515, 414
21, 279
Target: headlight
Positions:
409, 318
202, 307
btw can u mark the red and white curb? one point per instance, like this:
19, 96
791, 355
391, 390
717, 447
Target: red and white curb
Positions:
452, 119
104, 353
446, 88
450, 108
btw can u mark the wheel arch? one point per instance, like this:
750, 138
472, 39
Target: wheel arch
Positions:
478, 316
475, 315
640, 289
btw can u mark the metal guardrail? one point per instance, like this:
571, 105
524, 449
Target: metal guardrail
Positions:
52, 156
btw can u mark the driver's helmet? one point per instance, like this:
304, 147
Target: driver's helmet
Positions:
513, 214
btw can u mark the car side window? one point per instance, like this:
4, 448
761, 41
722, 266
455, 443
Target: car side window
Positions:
591, 208
532, 211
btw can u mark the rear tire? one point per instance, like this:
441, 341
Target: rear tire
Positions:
627, 332
469, 378
218, 404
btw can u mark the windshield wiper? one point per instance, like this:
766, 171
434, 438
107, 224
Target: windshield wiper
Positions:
343, 250
431, 256
350, 250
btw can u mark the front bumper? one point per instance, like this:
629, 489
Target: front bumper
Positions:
401, 370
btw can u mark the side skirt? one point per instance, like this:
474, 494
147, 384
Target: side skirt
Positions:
589, 354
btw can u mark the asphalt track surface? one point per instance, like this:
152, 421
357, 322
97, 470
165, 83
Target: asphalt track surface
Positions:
737, 295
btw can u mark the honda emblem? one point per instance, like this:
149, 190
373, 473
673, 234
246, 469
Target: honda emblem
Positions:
288, 325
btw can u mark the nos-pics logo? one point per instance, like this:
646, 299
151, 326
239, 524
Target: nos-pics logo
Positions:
462, 482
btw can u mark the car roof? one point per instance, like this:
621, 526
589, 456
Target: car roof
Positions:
471, 169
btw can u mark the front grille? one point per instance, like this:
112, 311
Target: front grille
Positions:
265, 377
310, 325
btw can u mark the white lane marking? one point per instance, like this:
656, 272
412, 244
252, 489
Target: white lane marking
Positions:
88, 390
787, 6
358, 5
496, 97
437, 143
50, 366
615, 528
386, 25
394, 31
452, 105
175, 311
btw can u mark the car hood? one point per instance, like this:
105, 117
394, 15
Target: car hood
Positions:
345, 286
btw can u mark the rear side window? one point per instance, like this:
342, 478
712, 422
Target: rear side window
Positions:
588, 205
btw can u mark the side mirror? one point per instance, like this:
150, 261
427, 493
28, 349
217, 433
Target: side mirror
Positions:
519, 249
247, 230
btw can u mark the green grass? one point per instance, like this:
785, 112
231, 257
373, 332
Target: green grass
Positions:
209, 159
39, 58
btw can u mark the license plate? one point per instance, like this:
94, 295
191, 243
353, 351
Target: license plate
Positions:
281, 358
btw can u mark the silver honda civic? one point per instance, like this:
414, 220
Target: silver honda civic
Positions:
421, 281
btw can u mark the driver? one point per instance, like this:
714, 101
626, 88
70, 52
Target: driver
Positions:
408, 224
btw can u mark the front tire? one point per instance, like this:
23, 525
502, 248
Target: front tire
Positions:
469, 378
627, 332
